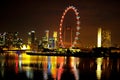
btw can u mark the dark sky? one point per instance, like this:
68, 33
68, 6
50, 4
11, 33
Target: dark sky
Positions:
40, 15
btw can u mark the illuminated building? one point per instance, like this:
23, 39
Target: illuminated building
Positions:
104, 38
55, 39
51, 43
9, 38
44, 42
25, 47
32, 37
32, 40
12, 39
29, 38
99, 37
15, 38
45, 39
47, 35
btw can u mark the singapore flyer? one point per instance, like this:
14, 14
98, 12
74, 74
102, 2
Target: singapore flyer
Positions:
77, 32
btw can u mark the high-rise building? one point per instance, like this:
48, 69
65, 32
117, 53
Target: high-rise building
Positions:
55, 39
47, 35
51, 43
31, 37
44, 42
32, 40
104, 38
99, 37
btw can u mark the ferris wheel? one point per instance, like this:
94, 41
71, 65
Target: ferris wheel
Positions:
74, 42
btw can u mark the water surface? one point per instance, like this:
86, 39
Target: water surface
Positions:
26, 67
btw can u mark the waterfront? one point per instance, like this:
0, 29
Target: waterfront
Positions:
14, 66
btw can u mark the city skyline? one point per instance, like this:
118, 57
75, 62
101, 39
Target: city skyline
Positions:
24, 16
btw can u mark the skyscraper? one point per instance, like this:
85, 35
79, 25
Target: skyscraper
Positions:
31, 37
47, 35
55, 39
99, 37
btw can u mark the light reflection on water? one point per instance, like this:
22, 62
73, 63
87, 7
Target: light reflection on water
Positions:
99, 70
28, 67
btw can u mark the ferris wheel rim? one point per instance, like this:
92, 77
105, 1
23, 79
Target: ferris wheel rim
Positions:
77, 27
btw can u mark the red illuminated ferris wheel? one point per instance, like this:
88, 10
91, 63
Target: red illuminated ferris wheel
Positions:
74, 42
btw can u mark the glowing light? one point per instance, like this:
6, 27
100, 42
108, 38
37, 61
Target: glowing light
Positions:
74, 42
72, 45
77, 13
78, 28
78, 22
60, 29
25, 47
61, 20
73, 7
55, 34
66, 10
78, 17
29, 33
63, 15
99, 37
77, 33
60, 24
60, 37
76, 38
60, 34
33, 31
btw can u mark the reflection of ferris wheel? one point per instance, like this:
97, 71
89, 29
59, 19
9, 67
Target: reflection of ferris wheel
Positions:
77, 27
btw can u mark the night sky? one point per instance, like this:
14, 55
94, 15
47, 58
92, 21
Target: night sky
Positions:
40, 15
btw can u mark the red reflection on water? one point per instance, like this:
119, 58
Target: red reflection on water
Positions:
60, 71
60, 62
16, 63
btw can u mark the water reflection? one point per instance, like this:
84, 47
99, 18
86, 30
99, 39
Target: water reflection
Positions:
69, 71
99, 70
20, 67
